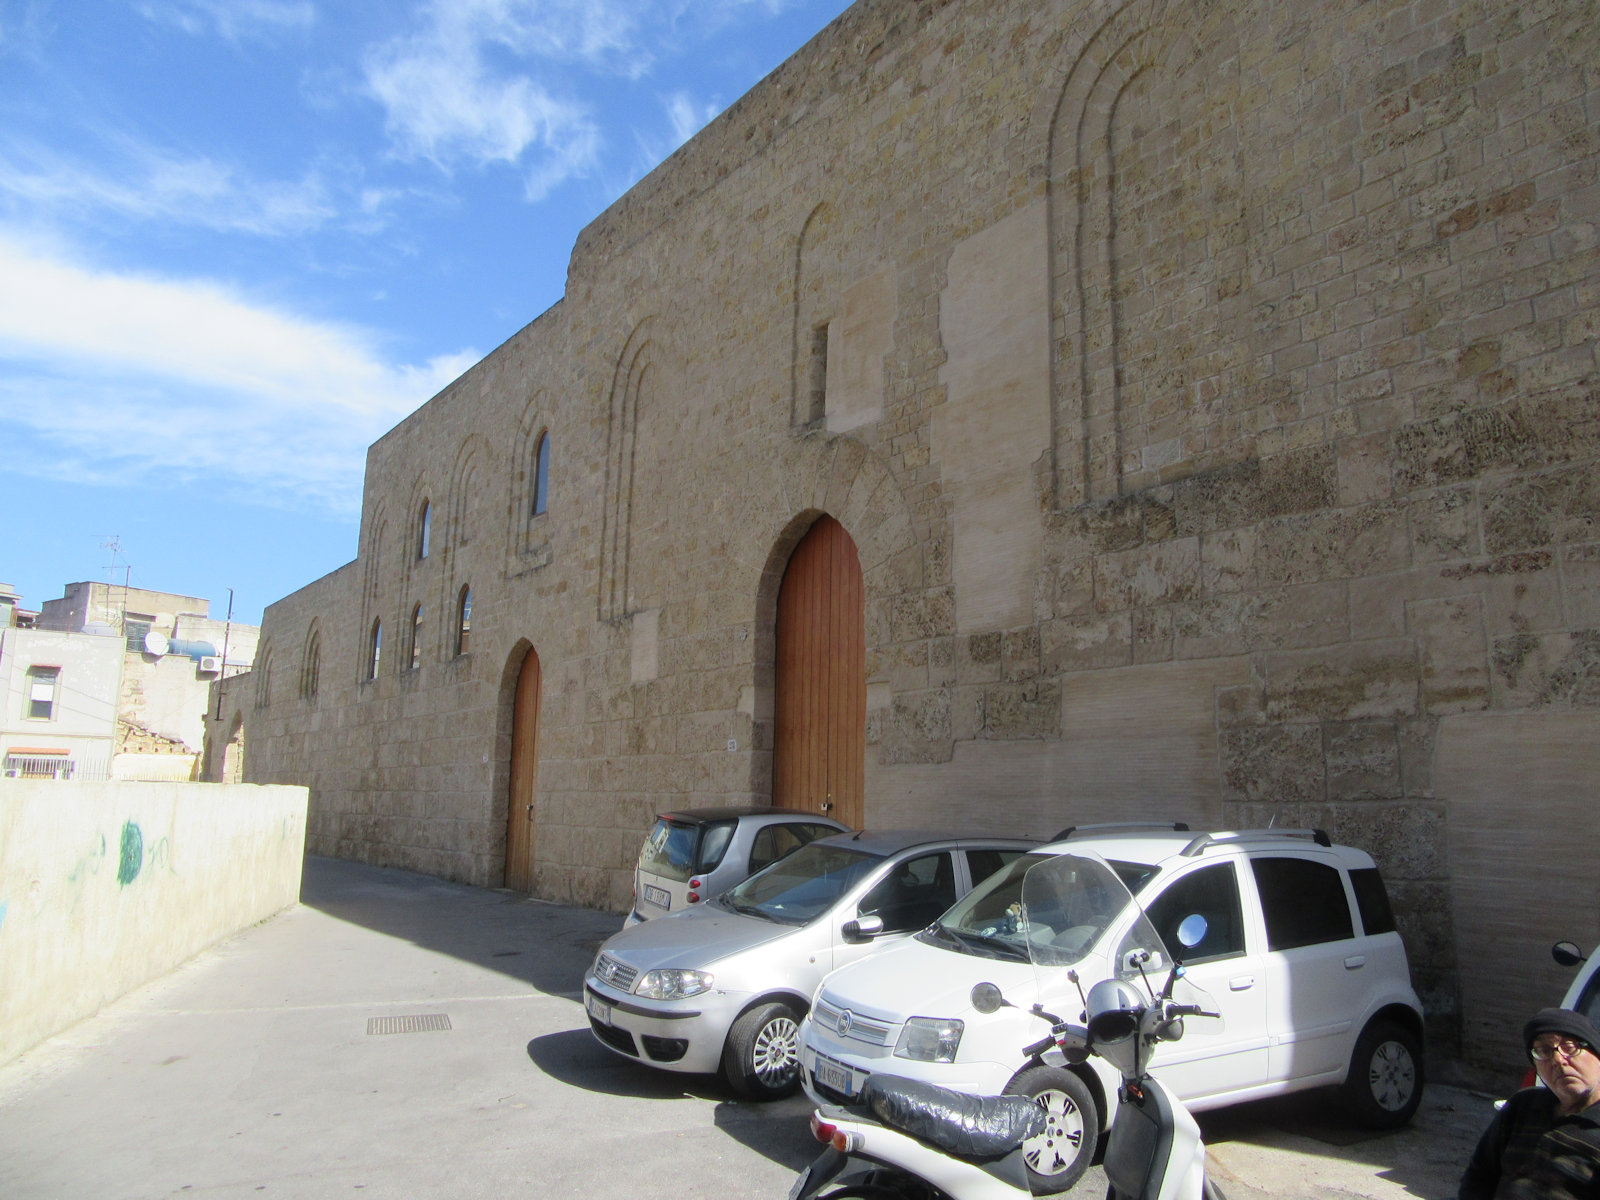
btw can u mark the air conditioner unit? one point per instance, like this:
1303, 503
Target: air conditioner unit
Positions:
210, 664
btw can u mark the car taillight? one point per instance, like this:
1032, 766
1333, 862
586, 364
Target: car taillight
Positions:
694, 896
822, 1130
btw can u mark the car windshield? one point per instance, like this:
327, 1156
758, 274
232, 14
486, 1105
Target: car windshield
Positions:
988, 921
798, 889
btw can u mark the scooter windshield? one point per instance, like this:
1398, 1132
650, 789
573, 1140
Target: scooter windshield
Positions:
1069, 901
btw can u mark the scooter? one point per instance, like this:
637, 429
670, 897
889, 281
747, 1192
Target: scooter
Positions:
909, 1140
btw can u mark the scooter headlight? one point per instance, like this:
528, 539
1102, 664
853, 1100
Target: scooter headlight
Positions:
930, 1039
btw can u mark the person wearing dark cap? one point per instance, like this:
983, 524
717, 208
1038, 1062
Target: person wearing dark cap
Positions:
1545, 1143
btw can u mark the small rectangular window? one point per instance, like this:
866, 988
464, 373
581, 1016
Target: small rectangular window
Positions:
42, 692
1372, 901
1302, 901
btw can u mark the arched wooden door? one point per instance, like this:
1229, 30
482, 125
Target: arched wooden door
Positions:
820, 742
520, 822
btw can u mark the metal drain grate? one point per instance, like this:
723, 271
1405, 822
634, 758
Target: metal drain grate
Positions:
426, 1023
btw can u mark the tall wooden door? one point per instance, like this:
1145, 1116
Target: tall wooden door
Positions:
820, 743
520, 824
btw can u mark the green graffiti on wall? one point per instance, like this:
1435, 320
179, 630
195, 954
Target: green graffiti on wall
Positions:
132, 854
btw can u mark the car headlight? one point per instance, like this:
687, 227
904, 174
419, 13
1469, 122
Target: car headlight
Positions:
672, 985
929, 1039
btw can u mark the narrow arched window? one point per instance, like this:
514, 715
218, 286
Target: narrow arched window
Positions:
263, 680
416, 637
424, 529
312, 669
374, 647
541, 474
463, 619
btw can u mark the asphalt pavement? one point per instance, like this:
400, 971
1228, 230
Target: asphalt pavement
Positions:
398, 1036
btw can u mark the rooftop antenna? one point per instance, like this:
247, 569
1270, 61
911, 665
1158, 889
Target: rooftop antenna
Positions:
113, 543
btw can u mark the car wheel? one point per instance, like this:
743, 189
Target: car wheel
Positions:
761, 1060
1060, 1155
1384, 1087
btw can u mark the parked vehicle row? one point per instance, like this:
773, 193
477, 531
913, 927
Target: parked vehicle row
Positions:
856, 956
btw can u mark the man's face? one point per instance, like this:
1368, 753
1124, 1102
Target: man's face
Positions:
1573, 1078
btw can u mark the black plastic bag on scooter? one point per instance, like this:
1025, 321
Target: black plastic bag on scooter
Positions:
959, 1124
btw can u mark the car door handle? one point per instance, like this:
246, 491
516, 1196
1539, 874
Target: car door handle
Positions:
1355, 962
1241, 983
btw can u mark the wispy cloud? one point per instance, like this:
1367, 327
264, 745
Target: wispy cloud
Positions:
148, 183
123, 377
481, 82
234, 20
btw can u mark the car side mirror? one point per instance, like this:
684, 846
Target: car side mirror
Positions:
862, 929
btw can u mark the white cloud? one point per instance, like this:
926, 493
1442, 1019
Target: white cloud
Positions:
126, 377
147, 183
479, 82
686, 117
234, 20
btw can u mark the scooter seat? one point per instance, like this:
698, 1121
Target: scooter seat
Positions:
976, 1127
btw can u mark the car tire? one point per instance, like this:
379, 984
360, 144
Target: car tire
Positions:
761, 1060
1058, 1157
1384, 1086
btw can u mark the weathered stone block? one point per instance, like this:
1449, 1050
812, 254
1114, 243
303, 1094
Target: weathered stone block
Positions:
1455, 669
1360, 681
1022, 710
1363, 760
1274, 764
1551, 509
1560, 670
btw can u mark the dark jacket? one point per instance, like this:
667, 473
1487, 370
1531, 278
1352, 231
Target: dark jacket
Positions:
1531, 1152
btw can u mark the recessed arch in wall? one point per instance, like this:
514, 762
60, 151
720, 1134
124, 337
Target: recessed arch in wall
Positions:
521, 701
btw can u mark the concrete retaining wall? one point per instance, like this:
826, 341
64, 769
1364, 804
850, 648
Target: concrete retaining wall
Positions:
106, 886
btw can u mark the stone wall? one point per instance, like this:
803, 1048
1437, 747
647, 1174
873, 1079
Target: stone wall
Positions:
1210, 390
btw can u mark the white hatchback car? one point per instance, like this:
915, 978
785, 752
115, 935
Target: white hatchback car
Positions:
1300, 953
723, 985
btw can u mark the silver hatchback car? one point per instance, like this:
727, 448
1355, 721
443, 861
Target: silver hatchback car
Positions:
697, 853
723, 985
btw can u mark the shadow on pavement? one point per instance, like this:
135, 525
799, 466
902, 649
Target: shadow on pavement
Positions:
781, 1131
574, 1058
547, 946
1424, 1158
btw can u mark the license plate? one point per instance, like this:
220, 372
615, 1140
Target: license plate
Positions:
659, 896
834, 1075
598, 1008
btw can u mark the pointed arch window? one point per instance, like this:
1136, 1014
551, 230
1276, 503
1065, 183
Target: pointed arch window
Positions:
424, 529
463, 618
374, 647
416, 637
263, 679
541, 474
312, 668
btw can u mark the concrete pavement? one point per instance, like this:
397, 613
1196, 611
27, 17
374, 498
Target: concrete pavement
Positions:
264, 1067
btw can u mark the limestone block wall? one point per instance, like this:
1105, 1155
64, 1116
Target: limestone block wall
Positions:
106, 886
1210, 391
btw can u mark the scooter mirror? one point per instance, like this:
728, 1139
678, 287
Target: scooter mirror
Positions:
1192, 931
1566, 954
1149, 960
986, 998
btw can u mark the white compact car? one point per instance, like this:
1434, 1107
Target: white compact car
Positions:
1300, 953
723, 985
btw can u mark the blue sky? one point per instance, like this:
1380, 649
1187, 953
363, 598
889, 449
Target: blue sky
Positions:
240, 239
